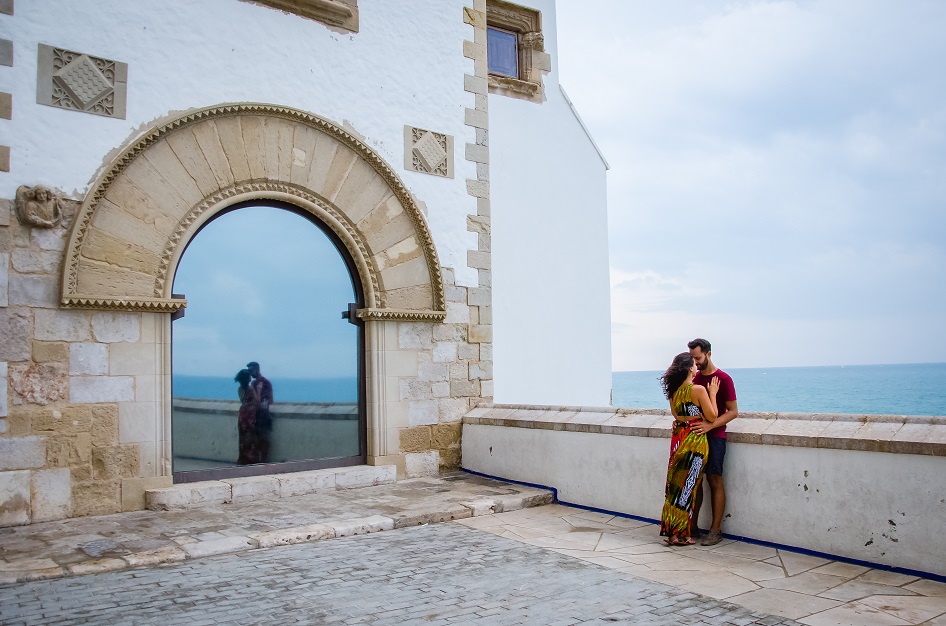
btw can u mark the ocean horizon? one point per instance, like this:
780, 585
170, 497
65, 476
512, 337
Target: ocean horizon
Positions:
896, 389
900, 389
284, 389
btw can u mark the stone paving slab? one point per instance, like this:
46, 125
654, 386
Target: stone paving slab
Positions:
111, 542
812, 590
436, 575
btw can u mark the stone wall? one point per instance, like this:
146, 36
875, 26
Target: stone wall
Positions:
434, 373
79, 407
85, 396
85, 415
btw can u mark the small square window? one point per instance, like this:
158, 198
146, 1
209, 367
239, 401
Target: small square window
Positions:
515, 51
502, 52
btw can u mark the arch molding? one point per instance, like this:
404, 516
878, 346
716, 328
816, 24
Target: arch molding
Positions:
132, 227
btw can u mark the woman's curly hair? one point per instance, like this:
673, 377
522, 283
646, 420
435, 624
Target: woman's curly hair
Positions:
676, 374
243, 377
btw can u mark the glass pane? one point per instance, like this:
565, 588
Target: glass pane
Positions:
263, 285
501, 54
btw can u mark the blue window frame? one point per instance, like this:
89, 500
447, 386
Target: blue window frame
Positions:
502, 52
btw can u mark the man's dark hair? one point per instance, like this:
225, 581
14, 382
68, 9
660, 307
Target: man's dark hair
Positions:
702, 344
252, 364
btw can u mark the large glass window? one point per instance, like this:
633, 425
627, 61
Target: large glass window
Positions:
265, 368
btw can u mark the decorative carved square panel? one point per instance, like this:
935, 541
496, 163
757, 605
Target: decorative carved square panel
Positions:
81, 82
428, 152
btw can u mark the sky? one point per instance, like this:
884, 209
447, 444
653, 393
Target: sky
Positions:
778, 175
263, 284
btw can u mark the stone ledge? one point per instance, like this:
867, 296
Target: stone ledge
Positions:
899, 434
274, 486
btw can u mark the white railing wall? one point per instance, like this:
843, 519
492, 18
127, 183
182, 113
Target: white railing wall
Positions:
870, 488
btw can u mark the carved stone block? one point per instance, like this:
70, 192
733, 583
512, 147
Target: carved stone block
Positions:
38, 206
428, 152
81, 82
339, 15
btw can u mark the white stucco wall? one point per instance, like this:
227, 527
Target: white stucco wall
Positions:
551, 300
403, 67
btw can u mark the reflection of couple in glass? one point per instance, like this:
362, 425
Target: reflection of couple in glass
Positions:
254, 422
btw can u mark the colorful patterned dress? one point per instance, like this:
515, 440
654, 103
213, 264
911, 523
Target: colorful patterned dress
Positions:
246, 426
688, 451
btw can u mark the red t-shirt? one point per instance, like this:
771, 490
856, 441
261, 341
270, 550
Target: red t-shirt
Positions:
726, 393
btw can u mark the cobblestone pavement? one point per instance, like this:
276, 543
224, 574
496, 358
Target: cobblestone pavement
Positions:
88, 545
435, 575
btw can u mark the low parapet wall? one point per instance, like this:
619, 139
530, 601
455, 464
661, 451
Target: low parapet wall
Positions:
206, 430
865, 487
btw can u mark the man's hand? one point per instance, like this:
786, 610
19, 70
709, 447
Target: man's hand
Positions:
703, 427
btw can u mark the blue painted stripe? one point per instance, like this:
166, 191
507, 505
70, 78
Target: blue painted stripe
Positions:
759, 542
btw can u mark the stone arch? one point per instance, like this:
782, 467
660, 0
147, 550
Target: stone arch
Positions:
132, 227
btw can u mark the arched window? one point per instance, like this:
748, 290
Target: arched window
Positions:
266, 285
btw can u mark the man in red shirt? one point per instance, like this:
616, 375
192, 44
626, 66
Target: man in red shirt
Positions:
701, 351
264, 420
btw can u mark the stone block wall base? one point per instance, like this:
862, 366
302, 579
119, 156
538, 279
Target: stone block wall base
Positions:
15, 498
133, 490
215, 492
397, 460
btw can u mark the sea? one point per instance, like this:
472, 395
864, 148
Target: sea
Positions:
917, 389
913, 389
284, 389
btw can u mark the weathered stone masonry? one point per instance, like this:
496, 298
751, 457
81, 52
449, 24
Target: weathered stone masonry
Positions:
85, 301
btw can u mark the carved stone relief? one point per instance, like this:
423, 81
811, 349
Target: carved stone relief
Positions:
38, 207
340, 15
428, 152
81, 82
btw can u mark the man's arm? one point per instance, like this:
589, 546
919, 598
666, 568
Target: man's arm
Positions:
732, 412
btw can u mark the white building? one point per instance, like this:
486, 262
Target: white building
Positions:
468, 203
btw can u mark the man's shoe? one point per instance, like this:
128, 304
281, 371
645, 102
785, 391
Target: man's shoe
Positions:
712, 538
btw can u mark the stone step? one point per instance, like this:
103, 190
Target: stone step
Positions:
270, 487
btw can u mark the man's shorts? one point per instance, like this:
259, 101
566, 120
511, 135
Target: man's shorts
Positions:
717, 453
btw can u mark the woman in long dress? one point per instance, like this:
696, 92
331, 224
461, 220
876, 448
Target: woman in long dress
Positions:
246, 419
689, 405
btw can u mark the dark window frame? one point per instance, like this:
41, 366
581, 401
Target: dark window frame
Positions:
265, 469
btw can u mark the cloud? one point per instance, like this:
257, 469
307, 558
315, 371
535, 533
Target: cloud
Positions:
264, 284
778, 167
236, 293
651, 291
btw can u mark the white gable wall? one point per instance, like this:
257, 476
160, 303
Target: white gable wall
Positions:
551, 298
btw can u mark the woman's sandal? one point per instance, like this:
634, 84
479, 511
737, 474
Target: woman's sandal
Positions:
677, 541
